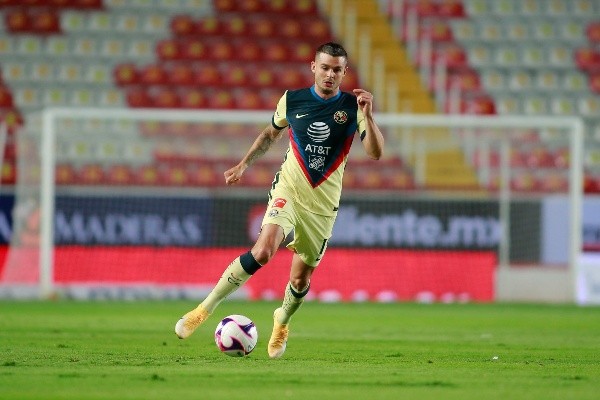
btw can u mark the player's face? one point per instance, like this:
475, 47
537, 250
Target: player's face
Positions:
329, 72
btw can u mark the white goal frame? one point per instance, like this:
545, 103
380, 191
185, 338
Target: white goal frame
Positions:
573, 126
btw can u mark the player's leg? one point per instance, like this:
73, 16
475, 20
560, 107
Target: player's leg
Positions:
295, 292
309, 245
236, 274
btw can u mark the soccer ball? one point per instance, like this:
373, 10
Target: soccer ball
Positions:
236, 335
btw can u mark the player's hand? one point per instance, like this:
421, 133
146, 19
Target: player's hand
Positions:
233, 175
364, 100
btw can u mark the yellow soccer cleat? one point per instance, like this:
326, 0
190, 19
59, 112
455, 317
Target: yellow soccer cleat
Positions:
190, 321
278, 340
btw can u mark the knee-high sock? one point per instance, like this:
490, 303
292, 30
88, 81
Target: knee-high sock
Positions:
231, 280
292, 301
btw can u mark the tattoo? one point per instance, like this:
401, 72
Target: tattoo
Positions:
263, 142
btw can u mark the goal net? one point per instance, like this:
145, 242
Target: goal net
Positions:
132, 204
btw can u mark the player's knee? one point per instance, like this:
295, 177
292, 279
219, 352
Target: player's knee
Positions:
262, 254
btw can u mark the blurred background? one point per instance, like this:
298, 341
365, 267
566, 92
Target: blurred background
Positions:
139, 207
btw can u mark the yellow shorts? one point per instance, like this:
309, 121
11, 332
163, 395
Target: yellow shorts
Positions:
311, 231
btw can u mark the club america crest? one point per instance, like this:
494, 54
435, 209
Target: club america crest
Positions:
340, 117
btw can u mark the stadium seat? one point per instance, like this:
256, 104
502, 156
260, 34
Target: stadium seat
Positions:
182, 25
193, 99
248, 99
594, 82
207, 74
547, 80
221, 99
592, 32
153, 74
248, 50
138, 98
587, 58
180, 74
170, 49
208, 26
235, 75
165, 97
6, 98
126, 74
17, 21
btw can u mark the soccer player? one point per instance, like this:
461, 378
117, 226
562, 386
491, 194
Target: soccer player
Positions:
321, 122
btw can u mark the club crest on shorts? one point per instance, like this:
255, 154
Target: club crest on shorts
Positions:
273, 213
340, 117
279, 203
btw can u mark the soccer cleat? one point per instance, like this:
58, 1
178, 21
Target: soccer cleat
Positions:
190, 321
278, 340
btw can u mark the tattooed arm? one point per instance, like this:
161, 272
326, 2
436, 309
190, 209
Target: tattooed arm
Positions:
263, 142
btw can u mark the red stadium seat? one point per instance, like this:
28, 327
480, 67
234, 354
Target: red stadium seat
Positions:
6, 98
263, 27
182, 25
8, 173
169, 49
180, 74
262, 76
138, 98
91, 174
194, 49
301, 52
153, 74
592, 32
234, 75
317, 29
451, 9
587, 59
166, 97
594, 81
248, 99
307, 7
204, 174
126, 74
209, 26
221, 50
45, 22
236, 26
17, 21
65, 174
120, 175
291, 28
12, 118
248, 49
207, 75
147, 175
554, 181
221, 99
275, 51
174, 175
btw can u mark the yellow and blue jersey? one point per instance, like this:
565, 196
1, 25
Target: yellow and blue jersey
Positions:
321, 133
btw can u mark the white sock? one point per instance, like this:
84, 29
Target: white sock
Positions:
232, 279
292, 300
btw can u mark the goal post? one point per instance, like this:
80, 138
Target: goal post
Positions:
131, 203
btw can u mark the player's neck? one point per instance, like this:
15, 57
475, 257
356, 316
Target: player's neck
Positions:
325, 96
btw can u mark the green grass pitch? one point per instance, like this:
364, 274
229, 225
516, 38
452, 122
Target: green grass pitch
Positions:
128, 350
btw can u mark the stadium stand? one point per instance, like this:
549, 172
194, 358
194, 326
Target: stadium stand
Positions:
529, 57
505, 57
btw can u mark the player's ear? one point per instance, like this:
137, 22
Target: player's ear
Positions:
313, 66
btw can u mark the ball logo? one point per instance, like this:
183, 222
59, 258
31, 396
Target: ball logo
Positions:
318, 131
340, 117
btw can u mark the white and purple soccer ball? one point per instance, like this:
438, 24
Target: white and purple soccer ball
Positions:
236, 335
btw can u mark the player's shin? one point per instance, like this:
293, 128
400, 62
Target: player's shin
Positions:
236, 274
292, 300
